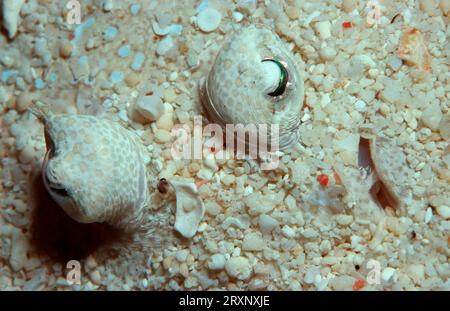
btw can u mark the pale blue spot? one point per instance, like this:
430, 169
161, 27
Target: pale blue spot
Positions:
135, 8
8, 74
124, 50
138, 61
53, 77
116, 76
110, 33
39, 84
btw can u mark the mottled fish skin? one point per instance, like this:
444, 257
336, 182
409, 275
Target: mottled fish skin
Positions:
233, 92
98, 167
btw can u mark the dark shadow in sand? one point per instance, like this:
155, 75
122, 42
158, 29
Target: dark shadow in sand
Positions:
58, 236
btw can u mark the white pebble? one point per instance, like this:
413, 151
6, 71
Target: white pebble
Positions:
288, 232
253, 242
427, 6
213, 208
311, 274
387, 274
235, 222
150, 107
174, 29
309, 233
416, 272
327, 53
19, 249
323, 29
24, 101
325, 246
165, 122
238, 267
432, 116
443, 211
173, 76
236, 252
394, 62
210, 162
342, 283
216, 262
360, 105
209, 19
164, 46
123, 115
428, 215
205, 174
107, 5
267, 223
344, 220
162, 136
95, 277
237, 16
20, 206
391, 92
181, 255
348, 5
320, 283
26, 154
11, 15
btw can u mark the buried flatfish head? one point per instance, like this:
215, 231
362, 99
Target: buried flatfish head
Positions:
94, 169
255, 80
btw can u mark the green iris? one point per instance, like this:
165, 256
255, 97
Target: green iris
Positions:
284, 77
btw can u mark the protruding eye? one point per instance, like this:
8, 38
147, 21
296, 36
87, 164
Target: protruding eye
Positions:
55, 189
62, 192
282, 77
59, 191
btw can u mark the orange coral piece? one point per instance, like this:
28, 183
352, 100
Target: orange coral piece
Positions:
413, 50
323, 180
359, 283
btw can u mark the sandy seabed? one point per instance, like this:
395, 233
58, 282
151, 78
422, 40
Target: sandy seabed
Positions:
341, 211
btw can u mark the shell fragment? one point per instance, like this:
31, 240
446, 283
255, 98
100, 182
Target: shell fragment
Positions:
190, 208
209, 19
11, 10
413, 50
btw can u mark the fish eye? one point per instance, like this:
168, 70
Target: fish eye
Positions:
62, 192
284, 77
59, 191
